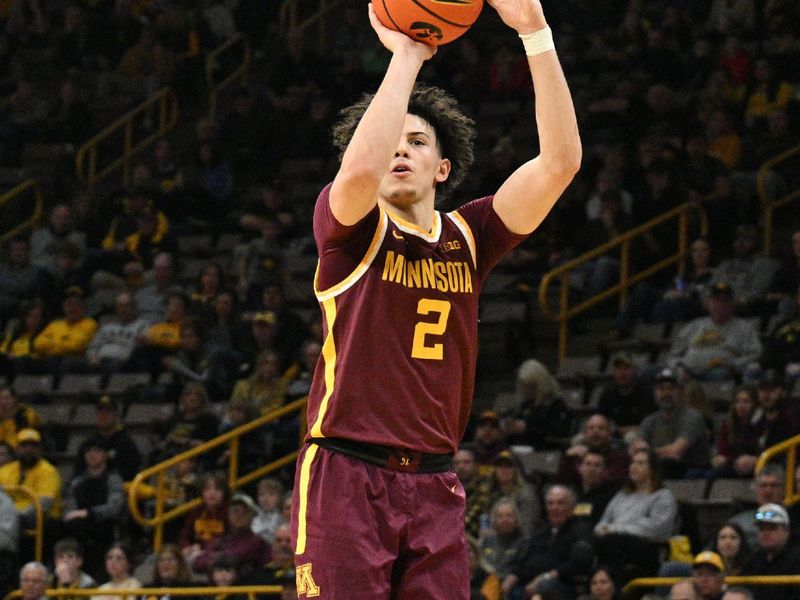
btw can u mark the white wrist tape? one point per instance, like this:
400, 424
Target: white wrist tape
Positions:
538, 41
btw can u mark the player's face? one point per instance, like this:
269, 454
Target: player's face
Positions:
417, 165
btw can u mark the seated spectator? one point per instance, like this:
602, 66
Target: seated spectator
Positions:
269, 518
194, 362
94, 502
19, 278
593, 490
708, 575
477, 489
162, 338
602, 585
112, 347
238, 541
778, 419
225, 573
487, 440
508, 481
738, 437
769, 489
45, 241
14, 416
152, 298
300, 384
628, 398
119, 563
68, 566
34, 579
64, 341
262, 336
208, 521
682, 301
265, 389
192, 425
782, 294
505, 540
484, 583
539, 416
33, 471
602, 272
676, 433
596, 435
16, 350
255, 446
152, 236
638, 521
210, 283
9, 540
719, 346
123, 454
748, 273
171, 570
259, 261
782, 344
774, 555
559, 555
768, 92
281, 562
730, 543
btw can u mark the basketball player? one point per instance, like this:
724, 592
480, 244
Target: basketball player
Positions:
378, 512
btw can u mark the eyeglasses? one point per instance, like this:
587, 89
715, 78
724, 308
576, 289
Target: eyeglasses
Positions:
768, 515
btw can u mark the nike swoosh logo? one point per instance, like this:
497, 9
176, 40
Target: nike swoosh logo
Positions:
453, 489
397, 236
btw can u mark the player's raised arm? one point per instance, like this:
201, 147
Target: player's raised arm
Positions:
525, 198
370, 151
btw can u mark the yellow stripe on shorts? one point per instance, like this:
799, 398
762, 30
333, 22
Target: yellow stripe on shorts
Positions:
308, 458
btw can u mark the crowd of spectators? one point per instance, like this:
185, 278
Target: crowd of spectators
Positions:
676, 101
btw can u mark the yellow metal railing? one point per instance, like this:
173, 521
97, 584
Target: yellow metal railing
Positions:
251, 591
746, 580
789, 448
38, 531
214, 69
561, 274
137, 488
289, 18
29, 222
121, 135
769, 207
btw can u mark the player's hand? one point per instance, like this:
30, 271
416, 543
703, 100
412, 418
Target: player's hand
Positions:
395, 41
526, 16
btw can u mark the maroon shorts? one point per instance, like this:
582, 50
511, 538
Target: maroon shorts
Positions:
361, 531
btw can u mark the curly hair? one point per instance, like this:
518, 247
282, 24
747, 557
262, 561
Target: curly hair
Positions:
455, 131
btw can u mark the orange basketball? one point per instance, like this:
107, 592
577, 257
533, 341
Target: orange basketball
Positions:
434, 22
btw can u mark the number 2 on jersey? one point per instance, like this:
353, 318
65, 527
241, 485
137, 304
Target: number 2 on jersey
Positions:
432, 351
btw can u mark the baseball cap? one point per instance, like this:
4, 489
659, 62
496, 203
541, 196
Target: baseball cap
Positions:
504, 457
28, 435
622, 358
107, 402
265, 316
709, 558
721, 289
488, 416
667, 375
771, 378
242, 498
771, 513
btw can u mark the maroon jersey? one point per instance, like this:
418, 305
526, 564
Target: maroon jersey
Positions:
400, 324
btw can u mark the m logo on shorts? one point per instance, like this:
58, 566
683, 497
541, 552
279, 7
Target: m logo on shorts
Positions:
305, 582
